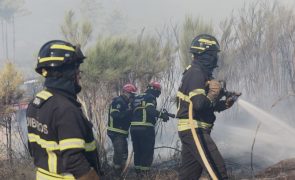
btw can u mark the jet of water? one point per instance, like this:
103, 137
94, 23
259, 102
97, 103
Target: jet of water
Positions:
265, 118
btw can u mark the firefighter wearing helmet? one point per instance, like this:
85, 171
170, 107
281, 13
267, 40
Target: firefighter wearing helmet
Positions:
60, 137
119, 118
142, 127
198, 97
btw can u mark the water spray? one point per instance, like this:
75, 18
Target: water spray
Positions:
264, 117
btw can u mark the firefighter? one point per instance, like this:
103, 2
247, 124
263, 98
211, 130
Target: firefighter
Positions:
120, 113
199, 90
142, 128
60, 136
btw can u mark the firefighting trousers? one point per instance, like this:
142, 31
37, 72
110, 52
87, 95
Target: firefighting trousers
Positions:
120, 146
192, 164
143, 141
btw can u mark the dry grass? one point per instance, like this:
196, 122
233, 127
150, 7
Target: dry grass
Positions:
18, 170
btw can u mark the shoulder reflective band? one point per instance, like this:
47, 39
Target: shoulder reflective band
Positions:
196, 92
182, 96
44, 95
64, 47
189, 66
51, 59
149, 104
91, 146
191, 94
72, 143
114, 110
75, 143
206, 41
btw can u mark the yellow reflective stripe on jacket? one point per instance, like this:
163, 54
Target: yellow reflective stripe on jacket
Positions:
183, 124
70, 143
144, 112
52, 161
117, 130
46, 175
64, 47
49, 145
196, 92
114, 110
90, 146
144, 115
44, 94
141, 124
111, 118
74, 143
193, 93
51, 59
189, 66
111, 126
149, 104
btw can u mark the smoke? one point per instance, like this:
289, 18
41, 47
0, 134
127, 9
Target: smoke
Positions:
273, 140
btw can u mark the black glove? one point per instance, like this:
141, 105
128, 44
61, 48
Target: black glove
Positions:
231, 99
229, 102
165, 117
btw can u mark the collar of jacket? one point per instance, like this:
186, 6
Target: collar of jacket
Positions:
125, 98
197, 64
69, 96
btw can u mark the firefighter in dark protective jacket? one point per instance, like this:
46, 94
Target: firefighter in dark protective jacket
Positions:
142, 128
203, 92
60, 137
120, 113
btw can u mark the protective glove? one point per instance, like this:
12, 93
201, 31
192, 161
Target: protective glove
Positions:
214, 90
165, 117
90, 175
229, 101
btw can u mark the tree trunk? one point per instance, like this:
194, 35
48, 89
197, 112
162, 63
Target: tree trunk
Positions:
13, 38
6, 40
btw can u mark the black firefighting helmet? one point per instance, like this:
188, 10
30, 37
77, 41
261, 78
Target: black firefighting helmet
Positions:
57, 53
203, 43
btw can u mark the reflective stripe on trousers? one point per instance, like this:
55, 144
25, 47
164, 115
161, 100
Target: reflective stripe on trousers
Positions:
42, 174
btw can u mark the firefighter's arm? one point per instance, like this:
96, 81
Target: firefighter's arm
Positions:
220, 106
151, 106
197, 94
71, 130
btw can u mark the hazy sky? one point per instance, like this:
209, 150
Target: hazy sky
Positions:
42, 23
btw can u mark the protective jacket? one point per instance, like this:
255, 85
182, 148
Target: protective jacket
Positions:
194, 87
119, 115
143, 132
60, 136
144, 110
